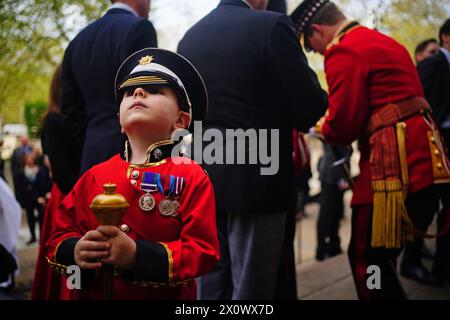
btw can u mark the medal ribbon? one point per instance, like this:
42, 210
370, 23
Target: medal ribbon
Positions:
166, 184
148, 183
179, 185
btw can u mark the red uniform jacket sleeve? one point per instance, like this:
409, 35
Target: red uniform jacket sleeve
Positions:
347, 77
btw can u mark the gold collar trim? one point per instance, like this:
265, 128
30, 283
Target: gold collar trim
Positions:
158, 144
341, 31
131, 167
149, 153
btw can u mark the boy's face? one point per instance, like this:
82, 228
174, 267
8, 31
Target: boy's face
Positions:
150, 107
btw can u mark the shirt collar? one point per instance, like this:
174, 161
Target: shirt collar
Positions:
120, 5
446, 53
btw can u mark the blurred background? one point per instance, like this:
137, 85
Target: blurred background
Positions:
34, 34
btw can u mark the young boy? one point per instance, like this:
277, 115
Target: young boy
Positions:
168, 235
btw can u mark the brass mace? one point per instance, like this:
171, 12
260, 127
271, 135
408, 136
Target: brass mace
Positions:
109, 208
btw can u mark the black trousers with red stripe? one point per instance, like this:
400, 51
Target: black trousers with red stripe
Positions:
421, 207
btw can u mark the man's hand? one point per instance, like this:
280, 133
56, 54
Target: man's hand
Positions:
316, 131
343, 185
123, 248
90, 248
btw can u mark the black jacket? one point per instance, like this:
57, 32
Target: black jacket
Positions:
329, 174
434, 74
64, 162
88, 71
256, 77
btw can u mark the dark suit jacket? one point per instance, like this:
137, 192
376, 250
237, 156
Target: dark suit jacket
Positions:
256, 77
329, 174
17, 158
434, 74
88, 71
63, 160
277, 6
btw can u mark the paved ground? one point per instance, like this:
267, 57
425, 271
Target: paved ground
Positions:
327, 280
331, 279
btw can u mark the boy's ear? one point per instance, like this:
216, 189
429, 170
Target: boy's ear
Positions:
183, 120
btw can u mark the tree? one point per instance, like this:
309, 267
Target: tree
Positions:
410, 22
33, 35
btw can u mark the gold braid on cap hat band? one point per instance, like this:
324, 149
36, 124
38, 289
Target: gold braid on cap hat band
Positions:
143, 80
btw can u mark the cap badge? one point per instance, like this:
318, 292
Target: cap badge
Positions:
146, 60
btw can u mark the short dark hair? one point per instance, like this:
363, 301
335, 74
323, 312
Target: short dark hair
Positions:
423, 45
328, 15
445, 29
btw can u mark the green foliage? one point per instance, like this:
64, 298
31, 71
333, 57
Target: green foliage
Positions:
33, 112
33, 35
410, 22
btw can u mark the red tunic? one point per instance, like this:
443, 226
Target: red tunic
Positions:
48, 285
365, 71
189, 240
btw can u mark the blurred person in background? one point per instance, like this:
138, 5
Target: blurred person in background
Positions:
90, 63
426, 49
10, 217
434, 73
411, 266
334, 182
17, 165
64, 168
26, 178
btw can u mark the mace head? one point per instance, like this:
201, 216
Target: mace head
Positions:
109, 206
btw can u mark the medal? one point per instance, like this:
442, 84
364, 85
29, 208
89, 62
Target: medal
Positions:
147, 202
165, 207
148, 184
166, 186
178, 188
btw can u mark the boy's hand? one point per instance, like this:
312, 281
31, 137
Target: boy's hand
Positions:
123, 248
90, 249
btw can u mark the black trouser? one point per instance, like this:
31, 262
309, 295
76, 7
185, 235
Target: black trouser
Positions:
421, 207
30, 205
331, 212
302, 189
286, 288
441, 266
412, 254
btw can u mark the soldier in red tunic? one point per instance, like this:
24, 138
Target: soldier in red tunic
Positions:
168, 236
375, 97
